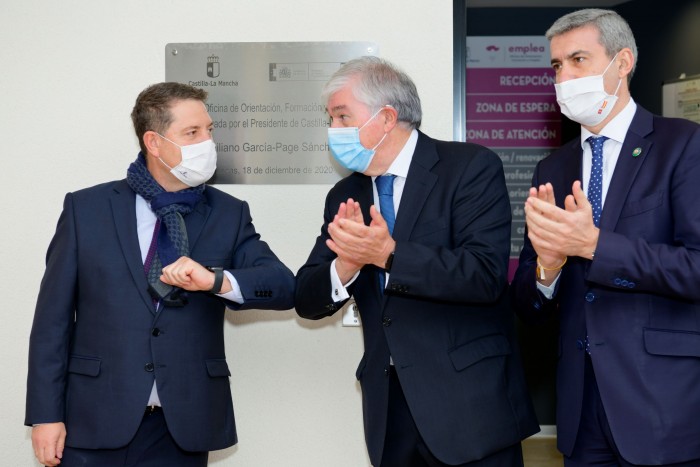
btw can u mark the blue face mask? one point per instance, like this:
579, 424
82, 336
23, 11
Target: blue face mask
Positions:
345, 146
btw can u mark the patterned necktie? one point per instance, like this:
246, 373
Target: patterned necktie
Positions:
152, 249
385, 190
150, 256
595, 184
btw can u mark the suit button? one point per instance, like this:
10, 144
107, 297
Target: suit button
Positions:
579, 344
155, 332
624, 283
590, 296
148, 367
617, 281
631, 285
386, 371
386, 321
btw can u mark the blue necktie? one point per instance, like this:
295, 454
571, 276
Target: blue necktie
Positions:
385, 191
595, 184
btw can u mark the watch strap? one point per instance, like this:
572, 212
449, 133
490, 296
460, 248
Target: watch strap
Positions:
218, 279
389, 262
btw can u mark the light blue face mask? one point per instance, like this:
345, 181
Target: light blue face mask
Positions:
345, 146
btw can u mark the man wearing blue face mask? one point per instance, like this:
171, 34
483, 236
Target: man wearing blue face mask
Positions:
612, 252
419, 235
127, 363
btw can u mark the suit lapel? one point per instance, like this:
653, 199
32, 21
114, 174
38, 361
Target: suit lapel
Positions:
419, 183
627, 167
365, 196
123, 202
195, 221
571, 171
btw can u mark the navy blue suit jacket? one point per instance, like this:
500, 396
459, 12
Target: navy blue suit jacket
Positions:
442, 317
638, 300
97, 342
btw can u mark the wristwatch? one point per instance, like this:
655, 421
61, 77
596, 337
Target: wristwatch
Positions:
218, 279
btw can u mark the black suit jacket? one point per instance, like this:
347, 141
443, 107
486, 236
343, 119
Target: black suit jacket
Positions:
638, 301
97, 342
443, 316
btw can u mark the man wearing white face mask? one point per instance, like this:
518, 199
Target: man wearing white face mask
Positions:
612, 252
419, 235
126, 359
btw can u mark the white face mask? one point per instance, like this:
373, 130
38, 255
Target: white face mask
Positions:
198, 162
584, 100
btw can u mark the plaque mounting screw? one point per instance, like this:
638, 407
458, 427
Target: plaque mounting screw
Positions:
174, 52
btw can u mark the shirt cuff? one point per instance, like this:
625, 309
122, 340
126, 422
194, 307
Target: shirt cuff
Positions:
548, 291
235, 294
339, 292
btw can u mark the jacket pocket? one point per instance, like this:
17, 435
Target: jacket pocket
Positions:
672, 343
632, 208
88, 366
464, 356
217, 368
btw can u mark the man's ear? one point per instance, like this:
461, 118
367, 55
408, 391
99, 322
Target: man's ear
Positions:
625, 60
152, 142
391, 118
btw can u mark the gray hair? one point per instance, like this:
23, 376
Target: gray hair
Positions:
615, 33
378, 83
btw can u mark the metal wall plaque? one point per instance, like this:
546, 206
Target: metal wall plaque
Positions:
264, 98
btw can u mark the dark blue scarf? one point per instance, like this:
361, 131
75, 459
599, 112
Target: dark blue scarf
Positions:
170, 209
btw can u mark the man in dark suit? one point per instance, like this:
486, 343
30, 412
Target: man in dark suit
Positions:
441, 377
127, 362
620, 272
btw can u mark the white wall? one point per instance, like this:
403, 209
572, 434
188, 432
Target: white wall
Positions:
69, 74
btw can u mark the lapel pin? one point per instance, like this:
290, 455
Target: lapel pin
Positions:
636, 152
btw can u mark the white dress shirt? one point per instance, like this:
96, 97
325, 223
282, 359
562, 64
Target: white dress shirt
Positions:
615, 131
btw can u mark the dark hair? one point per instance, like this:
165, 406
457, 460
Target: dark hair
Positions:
152, 108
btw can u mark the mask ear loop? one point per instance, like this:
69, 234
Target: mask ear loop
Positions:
173, 142
380, 142
166, 139
611, 62
371, 118
619, 83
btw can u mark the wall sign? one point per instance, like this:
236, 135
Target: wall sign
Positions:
264, 99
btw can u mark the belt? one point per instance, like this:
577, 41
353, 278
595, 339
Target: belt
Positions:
151, 409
